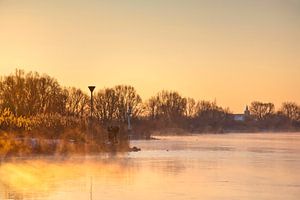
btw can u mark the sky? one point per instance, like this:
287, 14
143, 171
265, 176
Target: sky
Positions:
231, 51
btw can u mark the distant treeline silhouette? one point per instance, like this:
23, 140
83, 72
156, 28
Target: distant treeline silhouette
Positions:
37, 104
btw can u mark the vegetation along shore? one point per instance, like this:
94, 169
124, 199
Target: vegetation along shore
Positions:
38, 115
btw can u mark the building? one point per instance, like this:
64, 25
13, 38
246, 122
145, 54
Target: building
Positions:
242, 117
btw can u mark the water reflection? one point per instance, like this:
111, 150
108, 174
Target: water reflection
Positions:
232, 166
37, 178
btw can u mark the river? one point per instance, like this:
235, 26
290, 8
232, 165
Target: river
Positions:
209, 166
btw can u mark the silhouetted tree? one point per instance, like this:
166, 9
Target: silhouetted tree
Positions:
168, 105
113, 103
128, 98
152, 107
106, 105
191, 107
261, 111
32, 101
291, 110
210, 114
77, 102
31, 94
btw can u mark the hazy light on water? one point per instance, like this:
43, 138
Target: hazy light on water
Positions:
231, 166
46, 176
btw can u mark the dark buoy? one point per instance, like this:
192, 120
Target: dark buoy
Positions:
134, 149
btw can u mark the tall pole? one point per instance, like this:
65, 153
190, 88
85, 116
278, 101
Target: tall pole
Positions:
92, 109
92, 106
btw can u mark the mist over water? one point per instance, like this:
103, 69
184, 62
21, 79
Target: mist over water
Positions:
229, 166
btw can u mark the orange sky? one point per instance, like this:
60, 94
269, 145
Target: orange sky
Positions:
233, 51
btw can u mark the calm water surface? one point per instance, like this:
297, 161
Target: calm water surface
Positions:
229, 166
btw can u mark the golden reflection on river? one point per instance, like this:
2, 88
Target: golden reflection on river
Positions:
230, 166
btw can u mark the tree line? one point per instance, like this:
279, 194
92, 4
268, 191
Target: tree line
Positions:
40, 101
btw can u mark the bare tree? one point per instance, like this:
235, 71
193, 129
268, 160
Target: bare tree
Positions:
128, 98
190, 107
106, 104
113, 103
209, 112
77, 102
31, 94
152, 107
167, 105
291, 110
261, 110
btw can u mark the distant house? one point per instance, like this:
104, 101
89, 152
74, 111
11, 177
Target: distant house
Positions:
242, 117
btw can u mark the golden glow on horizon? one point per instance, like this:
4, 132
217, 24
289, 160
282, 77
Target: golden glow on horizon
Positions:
231, 51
